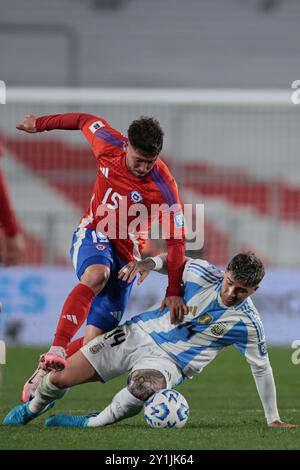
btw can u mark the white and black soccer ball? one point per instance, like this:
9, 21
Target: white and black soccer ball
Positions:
166, 409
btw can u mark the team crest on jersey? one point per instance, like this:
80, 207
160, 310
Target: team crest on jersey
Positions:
218, 329
136, 197
100, 247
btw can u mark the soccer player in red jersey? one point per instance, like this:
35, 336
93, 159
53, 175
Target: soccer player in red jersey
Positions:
130, 174
12, 245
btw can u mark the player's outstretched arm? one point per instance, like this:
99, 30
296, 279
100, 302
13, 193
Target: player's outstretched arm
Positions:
68, 121
265, 384
156, 263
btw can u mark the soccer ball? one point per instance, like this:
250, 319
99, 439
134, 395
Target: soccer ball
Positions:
166, 409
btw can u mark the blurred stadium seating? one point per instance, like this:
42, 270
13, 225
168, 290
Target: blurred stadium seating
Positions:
234, 151
169, 43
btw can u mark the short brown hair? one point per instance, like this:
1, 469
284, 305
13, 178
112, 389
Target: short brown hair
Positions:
146, 135
247, 268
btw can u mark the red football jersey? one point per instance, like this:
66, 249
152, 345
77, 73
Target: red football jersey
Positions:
118, 194
127, 200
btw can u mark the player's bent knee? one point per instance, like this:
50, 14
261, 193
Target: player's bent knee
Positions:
95, 277
144, 382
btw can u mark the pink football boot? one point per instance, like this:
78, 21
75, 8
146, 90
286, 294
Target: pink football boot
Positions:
52, 360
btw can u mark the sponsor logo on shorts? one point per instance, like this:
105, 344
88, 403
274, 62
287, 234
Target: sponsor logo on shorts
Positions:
117, 314
101, 237
136, 197
96, 348
218, 329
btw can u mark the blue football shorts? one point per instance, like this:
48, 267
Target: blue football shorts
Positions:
90, 247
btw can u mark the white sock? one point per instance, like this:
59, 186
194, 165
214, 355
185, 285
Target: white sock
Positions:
123, 405
46, 392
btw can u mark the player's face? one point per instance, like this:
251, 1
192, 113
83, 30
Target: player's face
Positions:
233, 292
139, 165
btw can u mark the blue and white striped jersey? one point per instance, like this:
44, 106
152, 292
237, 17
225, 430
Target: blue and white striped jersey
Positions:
209, 326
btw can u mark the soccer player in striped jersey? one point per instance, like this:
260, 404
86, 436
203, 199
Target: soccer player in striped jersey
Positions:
159, 354
130, 175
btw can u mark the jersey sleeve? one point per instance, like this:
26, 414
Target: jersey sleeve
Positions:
202, 272
256, 353
171, 217
255, 348
104, 139
171, 220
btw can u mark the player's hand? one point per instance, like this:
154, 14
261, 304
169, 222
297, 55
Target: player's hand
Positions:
176, 306
128, 272
13, 249
282, 424
28, 124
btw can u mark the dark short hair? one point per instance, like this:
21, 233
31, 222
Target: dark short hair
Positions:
247, 268
146, 136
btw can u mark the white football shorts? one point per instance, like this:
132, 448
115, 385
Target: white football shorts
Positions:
128, 348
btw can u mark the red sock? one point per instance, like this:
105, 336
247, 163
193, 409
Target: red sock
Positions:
73, 315
74, 346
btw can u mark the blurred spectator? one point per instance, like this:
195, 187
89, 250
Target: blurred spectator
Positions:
12, 244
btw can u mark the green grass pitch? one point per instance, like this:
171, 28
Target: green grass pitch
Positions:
225, 411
